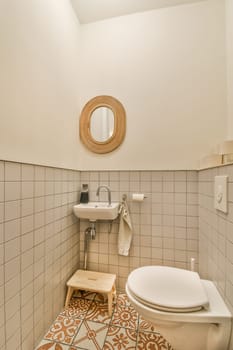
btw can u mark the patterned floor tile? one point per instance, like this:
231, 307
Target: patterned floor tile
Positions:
152, 341
63, 329
125, 317
102, 298
48, 345
146, 326
84, 294
91, 336
120, 339
98, 312
85, 325
122, 300
77, 308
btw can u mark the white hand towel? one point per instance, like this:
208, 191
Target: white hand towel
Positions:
125, 231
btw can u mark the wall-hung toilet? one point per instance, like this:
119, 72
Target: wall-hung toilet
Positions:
187, 311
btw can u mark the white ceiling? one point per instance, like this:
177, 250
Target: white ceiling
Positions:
96, 10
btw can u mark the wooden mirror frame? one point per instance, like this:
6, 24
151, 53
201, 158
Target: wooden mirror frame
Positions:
119, 124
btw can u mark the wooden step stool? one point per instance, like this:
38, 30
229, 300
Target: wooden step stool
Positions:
94, 282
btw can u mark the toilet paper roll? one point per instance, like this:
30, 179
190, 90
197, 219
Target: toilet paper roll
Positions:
138, 197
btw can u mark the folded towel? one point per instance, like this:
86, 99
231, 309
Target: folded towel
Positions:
125, 230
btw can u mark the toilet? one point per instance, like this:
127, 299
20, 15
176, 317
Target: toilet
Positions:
188, 311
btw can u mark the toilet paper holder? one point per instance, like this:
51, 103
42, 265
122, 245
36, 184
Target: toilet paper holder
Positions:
142, 196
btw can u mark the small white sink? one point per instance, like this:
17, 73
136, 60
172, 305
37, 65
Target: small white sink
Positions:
96, 211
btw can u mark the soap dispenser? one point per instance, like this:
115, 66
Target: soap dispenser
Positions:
84, 197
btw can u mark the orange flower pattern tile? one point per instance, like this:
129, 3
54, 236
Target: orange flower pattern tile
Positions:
125, 317
98, 312
77, 308
145, 325
91, 335
152, 341
86, 325
122, 300
120, 339
63, 329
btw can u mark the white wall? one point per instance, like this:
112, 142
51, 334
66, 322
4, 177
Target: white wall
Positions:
39, 55
167, 67
229, 36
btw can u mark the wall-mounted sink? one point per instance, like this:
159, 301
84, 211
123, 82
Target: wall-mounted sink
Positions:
96, 211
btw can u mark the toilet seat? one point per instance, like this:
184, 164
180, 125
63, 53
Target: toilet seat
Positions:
168, 289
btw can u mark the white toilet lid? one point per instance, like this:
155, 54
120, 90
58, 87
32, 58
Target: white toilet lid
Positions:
168, 288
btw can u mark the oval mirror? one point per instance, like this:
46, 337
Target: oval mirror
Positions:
102, 124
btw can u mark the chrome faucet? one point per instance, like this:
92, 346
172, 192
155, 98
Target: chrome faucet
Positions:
107, 189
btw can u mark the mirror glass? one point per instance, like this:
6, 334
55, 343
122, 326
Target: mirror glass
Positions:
102, 124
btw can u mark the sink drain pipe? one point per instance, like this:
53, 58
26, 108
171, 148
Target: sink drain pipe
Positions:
89, 233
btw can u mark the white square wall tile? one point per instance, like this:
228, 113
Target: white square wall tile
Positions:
49, 174
27, 190
180, 221
39, 190
168, 186
12, 328
27, 172
180, 175
168, 198
27, 258
124, 176
12, 268
27, 276
2, 338
114, 176
180, 255
157, 186
2, 316
168, 175
27, 207
39, 173
192, 187
156, 176
168, 254
12, 210
12, 191
12, 171
180, 198
1, 212
180, 186
27, 224
2, 275
27, 293
12, 249
1, 233
2, 254
12, 306
27, 241
145, 186
2, 171
134, 176
2, 190
12, 229
145, 176
192, 176
27, 328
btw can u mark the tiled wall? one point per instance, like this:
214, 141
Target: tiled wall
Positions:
40, 243
39, 249
216, 234
165, 225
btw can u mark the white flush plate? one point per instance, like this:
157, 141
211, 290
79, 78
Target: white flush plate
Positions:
220, 193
